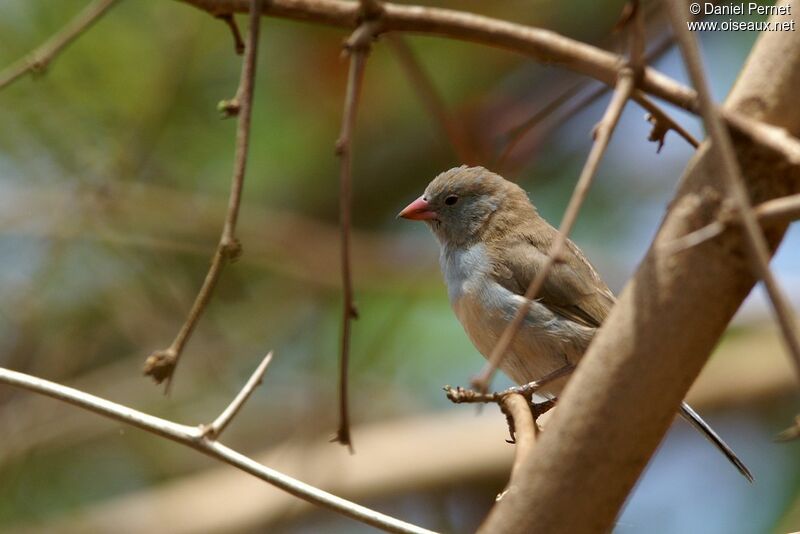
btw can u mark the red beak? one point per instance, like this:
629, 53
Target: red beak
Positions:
419, 210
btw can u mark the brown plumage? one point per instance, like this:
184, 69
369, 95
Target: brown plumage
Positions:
493, 243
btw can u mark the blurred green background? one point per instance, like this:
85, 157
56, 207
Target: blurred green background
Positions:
114, 175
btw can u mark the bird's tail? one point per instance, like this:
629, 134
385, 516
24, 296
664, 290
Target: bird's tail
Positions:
696, 421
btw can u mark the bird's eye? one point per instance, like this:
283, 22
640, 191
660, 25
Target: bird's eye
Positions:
452, 199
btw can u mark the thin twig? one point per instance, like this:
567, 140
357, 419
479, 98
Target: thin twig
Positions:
791, 433
782, 210
358, 46
603, 131
160, 365
626, 85
196, 438
215, 429
431, 99
520, 131
38, 60
460, 395
722, 146
230, 22
662, 123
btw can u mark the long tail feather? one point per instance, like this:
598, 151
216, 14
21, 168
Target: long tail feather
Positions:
696, 421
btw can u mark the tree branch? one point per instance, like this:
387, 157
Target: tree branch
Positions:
38, 60
722, 149
623, 396
215, 429
539, 44
198, 438
160, 365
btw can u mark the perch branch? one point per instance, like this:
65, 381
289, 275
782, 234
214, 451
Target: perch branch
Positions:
460, 395
618, 405
198, 438
603, 132
38, 60
722, 149
357, 46
160, 365
518, 408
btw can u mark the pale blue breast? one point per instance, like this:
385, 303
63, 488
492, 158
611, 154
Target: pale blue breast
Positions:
546, 341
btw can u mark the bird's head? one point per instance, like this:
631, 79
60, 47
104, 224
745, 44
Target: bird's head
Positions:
462, 204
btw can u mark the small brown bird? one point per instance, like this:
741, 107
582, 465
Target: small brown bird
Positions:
493, 242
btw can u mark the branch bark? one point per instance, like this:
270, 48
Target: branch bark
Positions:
659, 335
542, 45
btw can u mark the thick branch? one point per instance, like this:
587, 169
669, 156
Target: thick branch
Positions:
197, 438
722, 149
542, 45
622, 398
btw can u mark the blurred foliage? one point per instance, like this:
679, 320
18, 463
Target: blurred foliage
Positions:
114, 173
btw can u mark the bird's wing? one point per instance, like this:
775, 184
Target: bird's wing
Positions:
573, 289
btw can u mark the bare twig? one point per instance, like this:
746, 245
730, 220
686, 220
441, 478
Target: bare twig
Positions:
537, 43
431, 99
215, 429
519, 132
722, 147
196, 437
781, 210
662, 123
230, 22
358, 46
160, 365
38, 60
791, 433
603, 133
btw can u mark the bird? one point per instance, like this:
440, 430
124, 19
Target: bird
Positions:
492, 243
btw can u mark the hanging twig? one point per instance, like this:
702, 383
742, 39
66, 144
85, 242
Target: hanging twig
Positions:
160, 365
38, 60
200, 439
357, 46
230, 22
722, 147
